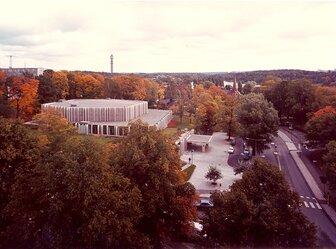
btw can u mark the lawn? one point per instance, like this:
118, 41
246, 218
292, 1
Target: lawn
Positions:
189, 171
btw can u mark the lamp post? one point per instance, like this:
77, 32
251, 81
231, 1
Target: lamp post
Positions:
255, 143
192, 156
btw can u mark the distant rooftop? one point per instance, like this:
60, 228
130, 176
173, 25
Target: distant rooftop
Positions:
96, 103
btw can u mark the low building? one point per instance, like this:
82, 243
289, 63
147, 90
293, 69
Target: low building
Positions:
36, 71
108, 117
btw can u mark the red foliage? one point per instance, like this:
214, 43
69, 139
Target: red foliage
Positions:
325, 110
172, 124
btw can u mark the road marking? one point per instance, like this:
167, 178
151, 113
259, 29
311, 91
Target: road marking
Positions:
318, 205
311, 204
306, 204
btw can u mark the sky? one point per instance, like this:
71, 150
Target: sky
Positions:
168, 36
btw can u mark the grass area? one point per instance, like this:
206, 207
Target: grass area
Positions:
178, 130
172, 133
187, 121
189, 171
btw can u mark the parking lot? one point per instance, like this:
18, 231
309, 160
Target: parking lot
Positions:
215, 155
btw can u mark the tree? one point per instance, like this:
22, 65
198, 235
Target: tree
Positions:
321, 127
60, 82
46, 89
150, 160
329, 159
23, 95
300, 99
258, 120
5, 109
73, 199
259, 210
324, 96
276, 93
226, 117
248, 87
213, 174
18, 154
85, 86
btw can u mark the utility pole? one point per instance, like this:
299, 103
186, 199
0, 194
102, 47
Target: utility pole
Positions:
10, 60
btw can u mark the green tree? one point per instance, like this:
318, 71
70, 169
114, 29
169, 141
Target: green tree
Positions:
329, 167
259, 210
258, 120
321, 127
276, 93
213, 174
73, 199
293, 99
300, 99
46, 89
150, 160
248, 87
18, 154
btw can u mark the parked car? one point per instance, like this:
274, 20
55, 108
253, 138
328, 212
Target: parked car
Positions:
204, 204
231, 150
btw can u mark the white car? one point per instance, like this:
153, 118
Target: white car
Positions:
231, 150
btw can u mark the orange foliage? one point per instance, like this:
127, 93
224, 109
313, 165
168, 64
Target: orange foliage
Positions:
2, 82
325, 110
325, 95
215, 91
23, 92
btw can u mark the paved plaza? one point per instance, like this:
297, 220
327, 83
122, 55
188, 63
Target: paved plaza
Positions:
216, 154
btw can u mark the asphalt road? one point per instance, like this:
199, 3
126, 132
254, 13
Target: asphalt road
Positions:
326, 229
311, 208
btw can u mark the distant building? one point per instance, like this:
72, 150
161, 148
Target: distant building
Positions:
108, 117
19, 71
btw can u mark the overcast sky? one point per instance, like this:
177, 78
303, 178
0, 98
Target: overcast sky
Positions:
168, 36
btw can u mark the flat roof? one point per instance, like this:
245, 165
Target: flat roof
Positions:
199, 138
97, 103
151, 118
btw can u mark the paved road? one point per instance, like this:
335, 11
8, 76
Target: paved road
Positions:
311, 208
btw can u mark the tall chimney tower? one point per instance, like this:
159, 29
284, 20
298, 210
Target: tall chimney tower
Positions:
111, 57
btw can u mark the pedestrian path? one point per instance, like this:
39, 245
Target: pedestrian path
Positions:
310, 202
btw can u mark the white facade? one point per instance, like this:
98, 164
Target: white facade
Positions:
108, 117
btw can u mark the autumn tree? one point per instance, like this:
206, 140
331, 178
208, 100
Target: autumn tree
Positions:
73, 199
150, 160
61, 84
321, 127
324, 96
226, 117
206, 107
85, 86
260, 210
23, 95
258, 121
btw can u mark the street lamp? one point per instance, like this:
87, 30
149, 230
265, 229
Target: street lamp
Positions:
255, 143
192, 156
